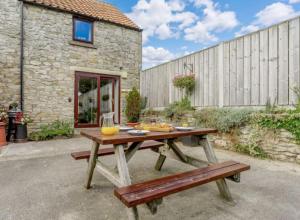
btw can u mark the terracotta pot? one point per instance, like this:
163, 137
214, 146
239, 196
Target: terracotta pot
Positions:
2, 134
132, 124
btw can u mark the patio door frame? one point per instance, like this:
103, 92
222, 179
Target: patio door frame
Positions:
78, 75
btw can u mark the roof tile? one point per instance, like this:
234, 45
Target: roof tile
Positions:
89, 8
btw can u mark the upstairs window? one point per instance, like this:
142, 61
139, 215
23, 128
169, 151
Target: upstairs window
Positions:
83, 30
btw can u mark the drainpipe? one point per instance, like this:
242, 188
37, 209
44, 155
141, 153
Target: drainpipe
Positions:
22, 58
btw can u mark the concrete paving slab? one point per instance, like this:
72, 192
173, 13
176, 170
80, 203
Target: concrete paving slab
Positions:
39, 180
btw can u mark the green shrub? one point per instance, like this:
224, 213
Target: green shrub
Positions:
144, 101
290, 121
223, 119
251, 149
151, 112
296, 90
179, 108
55, 129
133, 106
270, 107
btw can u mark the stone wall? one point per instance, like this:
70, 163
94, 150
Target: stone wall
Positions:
280, 145
9, 51
51, 59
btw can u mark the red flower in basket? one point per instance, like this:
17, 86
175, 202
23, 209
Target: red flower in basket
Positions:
23, 119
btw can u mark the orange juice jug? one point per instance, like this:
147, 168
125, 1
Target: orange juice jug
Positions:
108, 126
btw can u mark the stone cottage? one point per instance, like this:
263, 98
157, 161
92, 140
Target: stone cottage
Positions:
67, 60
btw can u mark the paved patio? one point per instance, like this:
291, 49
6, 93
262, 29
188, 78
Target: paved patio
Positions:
41, 181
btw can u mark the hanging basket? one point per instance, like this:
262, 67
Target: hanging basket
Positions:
185, 82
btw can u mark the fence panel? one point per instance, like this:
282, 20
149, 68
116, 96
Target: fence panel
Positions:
246, 71
294, 66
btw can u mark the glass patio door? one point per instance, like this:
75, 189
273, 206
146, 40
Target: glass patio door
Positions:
86, 96
107, 95
95, 95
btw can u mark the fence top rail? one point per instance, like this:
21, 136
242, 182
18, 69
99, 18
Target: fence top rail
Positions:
179, 58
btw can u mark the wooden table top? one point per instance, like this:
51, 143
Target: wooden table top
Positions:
124, 137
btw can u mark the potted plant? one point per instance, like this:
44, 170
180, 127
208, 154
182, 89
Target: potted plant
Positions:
21, 122
133, 107
3, 118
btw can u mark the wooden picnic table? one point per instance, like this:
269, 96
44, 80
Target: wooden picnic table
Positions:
124, 154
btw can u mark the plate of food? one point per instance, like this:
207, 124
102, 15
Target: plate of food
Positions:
184, 128
138, 132
125, 128
159, 127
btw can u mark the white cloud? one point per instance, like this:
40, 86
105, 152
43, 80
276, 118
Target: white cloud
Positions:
199, 33
247, 29
214, 21
294, 1
270, 15
153, 56
164, 32
207, 3
177, 5
161, 17
167, 19
275, 13
185, 19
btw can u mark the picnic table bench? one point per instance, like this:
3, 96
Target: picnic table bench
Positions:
110, 150
152, 192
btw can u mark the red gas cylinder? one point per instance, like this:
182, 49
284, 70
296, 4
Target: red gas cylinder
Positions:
2, 134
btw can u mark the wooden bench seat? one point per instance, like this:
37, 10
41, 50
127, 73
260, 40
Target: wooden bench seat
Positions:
109, 151
148, 191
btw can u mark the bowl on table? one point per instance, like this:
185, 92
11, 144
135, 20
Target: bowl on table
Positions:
126, 128
138, 132
184, 128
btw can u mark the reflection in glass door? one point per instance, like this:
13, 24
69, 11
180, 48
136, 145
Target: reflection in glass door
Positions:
107, 94
87, 101
109, 100
95, 95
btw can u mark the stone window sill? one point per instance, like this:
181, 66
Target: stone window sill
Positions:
82, 44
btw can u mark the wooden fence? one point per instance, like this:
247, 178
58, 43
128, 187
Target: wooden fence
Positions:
246, 71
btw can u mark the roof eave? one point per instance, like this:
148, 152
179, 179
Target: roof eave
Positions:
81, 14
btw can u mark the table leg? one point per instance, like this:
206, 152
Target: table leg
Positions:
92, 164
124, 177
177, 151
212, 158
160, 162
161, 158
132, 150
171, 144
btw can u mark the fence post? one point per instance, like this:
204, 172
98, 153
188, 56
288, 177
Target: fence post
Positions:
169, 80
221, 74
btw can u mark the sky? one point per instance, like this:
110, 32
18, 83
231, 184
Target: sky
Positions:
174, 28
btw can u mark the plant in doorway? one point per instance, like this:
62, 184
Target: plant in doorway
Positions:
105, 98
133, 107
3, 119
